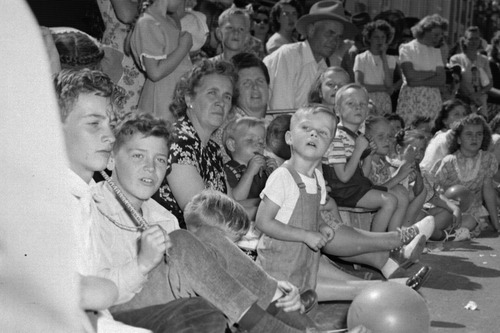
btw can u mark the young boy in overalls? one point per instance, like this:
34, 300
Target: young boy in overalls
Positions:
288, 215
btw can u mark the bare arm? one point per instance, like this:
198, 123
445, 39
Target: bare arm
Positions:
359, 77
416, 78
185, 182
266, 222
159, 69
346, 170
125, 10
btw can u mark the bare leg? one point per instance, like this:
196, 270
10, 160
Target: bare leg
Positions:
349, 241
399, 214
386, 204
442, 219
335, 285
414, 209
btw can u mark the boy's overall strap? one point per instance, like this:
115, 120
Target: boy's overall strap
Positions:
295, 175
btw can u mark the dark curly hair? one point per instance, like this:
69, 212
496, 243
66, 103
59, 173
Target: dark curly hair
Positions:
381, 25
278, 8
448, 106
187, 84
142, 123
458, 127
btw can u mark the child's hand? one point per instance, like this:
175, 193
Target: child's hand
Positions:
405, 169
409, 154
291, 297
315, 240
154, 244
361, 143
327, 231
185, 40
256, 164
271, 164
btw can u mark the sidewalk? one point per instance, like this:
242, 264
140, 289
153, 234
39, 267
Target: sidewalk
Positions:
461, 272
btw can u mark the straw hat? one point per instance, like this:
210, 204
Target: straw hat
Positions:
327, 10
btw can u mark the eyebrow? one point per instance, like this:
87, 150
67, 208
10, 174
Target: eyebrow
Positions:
95, 115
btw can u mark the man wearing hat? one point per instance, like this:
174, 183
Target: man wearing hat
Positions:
294, 67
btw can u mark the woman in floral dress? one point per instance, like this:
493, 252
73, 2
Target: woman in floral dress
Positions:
121, 68
423, 70
202, 100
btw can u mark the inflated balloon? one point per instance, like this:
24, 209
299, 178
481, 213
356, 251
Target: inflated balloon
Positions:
389, 307
462, 194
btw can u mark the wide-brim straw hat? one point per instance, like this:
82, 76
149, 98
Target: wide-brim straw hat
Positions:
327, 10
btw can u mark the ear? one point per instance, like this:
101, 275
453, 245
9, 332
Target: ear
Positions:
111, 162
288, 138
218, 34
310, 30
230, 145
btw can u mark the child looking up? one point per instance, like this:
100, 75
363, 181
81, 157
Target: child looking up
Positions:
233, 32
248, 169
162, 51
348, 160
288, 214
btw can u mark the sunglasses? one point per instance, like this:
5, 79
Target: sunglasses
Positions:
259, 21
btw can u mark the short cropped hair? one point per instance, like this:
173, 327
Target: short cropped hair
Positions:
339, 96
187, 84
381, 25
427, 24
142, 123
238, 126
458, 127
71, 83
250, 60
312, 109
225, 15
214, 208
275, 136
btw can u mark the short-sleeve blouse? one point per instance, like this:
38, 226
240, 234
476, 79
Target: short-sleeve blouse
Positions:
372, 68
189, 150
470, 172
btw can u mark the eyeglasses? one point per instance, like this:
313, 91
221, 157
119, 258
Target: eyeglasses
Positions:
259, 21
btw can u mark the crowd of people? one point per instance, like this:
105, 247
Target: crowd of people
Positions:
211, 146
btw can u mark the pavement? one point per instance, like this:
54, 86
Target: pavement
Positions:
462, 272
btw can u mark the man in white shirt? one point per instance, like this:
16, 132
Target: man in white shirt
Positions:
294, 67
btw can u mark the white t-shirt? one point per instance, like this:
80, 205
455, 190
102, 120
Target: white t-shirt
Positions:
283, 191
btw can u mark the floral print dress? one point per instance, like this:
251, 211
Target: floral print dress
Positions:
129, 77
470, 172
189, 150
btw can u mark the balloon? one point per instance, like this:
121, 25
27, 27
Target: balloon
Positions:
389, 307
462, 194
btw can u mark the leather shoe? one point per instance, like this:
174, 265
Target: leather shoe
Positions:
309, 299
418, 279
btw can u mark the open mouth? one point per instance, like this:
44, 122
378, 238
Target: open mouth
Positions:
147, 181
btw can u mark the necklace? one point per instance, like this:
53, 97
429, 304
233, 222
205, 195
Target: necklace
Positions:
140, 222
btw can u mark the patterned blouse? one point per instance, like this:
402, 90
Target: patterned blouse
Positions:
470, 172
189, 150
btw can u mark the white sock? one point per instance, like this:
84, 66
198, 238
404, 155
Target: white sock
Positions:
389, 268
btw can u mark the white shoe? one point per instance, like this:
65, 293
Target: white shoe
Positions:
425, 226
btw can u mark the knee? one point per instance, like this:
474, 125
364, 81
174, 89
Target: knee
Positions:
389, 201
